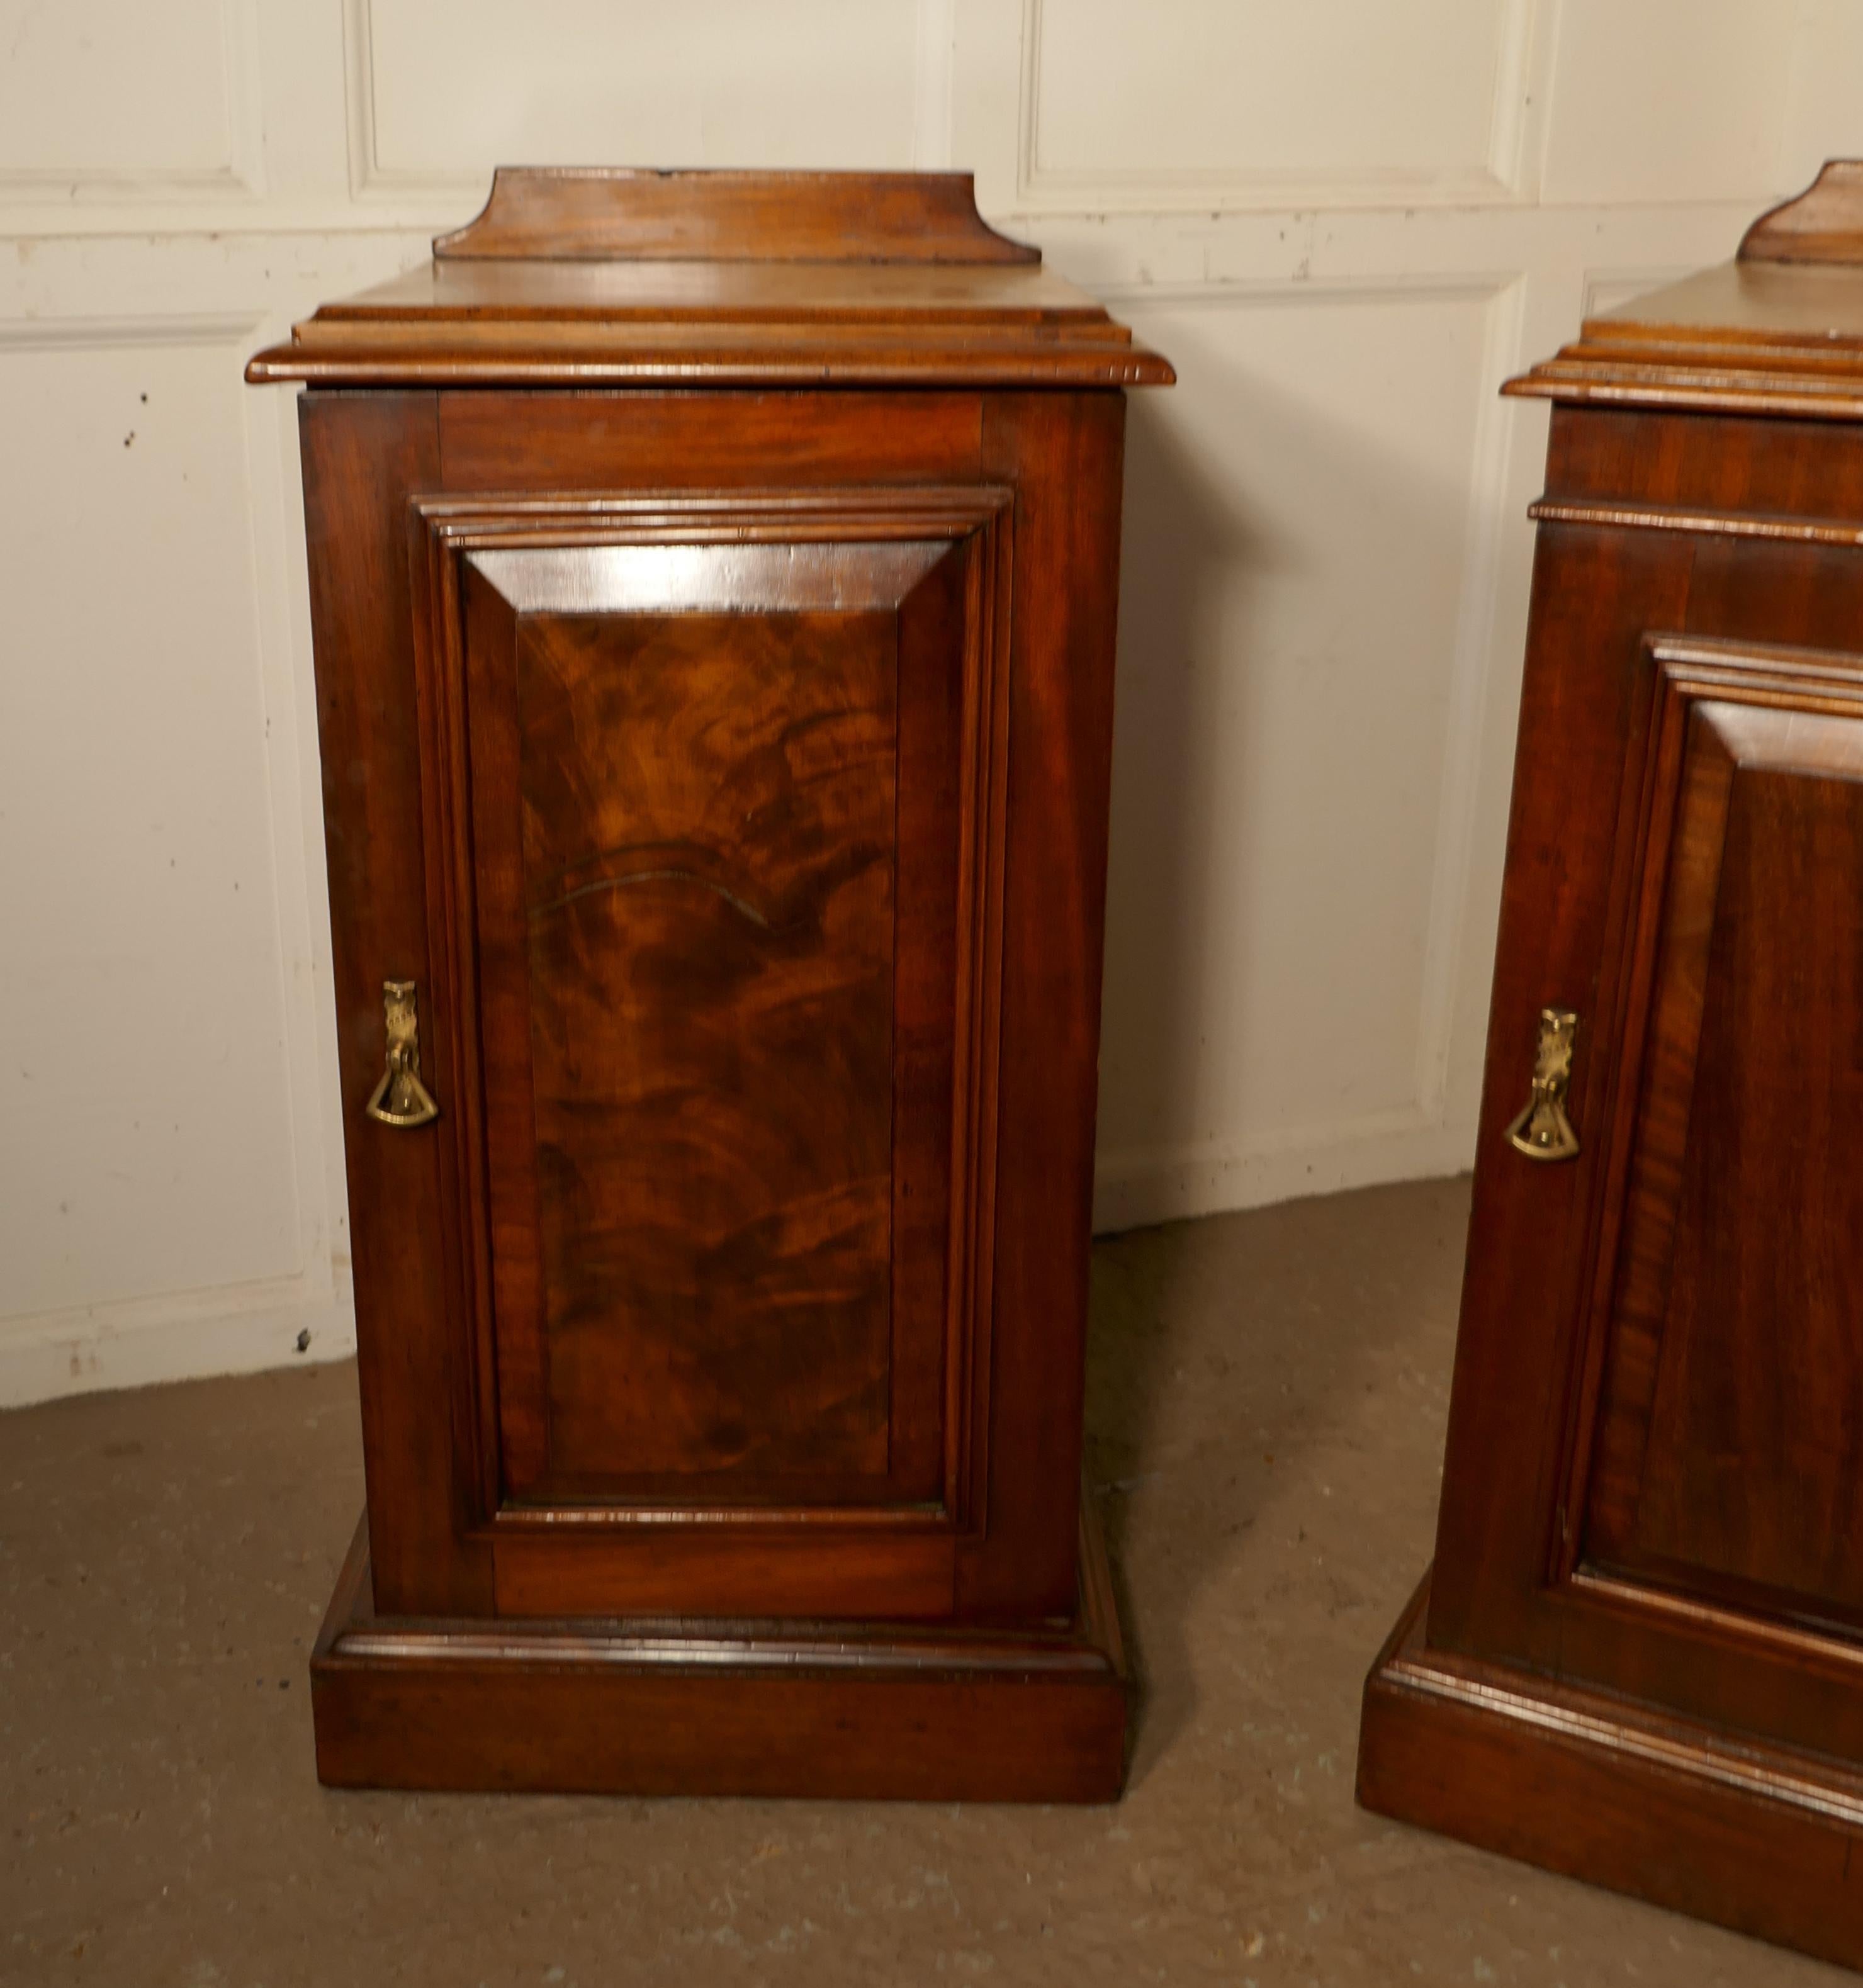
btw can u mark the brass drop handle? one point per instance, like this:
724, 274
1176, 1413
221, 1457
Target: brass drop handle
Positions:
401, 1099
1542, 1131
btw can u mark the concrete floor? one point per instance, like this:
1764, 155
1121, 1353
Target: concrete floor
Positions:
1265, 1413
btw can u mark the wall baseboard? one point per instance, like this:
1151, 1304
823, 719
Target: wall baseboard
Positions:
76, 1353
80, 1353
1134, 1190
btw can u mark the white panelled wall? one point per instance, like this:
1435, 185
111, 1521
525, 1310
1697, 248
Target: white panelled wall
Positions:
1346, 221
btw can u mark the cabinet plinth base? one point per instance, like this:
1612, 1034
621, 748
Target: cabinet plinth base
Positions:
1754, 1836
868, 1710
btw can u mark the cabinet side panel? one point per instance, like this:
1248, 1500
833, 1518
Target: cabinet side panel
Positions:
1063, 455
362, 455
1584, 705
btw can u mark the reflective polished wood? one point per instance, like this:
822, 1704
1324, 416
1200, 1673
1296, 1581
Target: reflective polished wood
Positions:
1638, 1657
713, 586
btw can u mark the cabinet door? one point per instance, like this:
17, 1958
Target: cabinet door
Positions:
715, 846
1655, 1473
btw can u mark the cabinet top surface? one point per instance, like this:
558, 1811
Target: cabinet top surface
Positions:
608, 277
1778, 330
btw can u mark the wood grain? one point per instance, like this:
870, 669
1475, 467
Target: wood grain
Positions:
1824, 224
708, 806
1063, 456
786, 1569
1738, 466
719, 441
612, 278
1760, 1839
527, 352
1728, 1447
1777, 331
565, 212
871, 1711
676, 296
361, 458
1584, 709
522, 562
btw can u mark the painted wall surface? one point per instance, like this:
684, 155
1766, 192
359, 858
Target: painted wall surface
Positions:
1346, 222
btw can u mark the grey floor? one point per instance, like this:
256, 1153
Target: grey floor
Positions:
1266, 1409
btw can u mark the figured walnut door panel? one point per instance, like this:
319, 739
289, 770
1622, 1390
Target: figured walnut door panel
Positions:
1728, 1452
707, 857
714, 787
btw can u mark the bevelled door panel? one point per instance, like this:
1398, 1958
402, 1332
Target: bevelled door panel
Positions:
713, 788
1729, 1439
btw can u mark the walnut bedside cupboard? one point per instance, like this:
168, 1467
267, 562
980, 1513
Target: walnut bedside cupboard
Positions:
712, 583
1638, 1657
